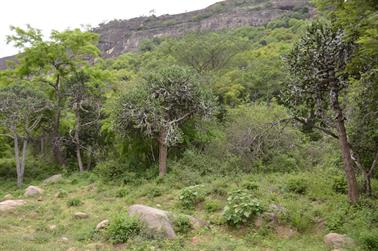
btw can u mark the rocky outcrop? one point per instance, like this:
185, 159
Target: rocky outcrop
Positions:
119, 36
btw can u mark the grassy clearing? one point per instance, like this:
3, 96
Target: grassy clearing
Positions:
310, 215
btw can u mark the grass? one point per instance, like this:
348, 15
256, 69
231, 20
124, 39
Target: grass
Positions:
28, 228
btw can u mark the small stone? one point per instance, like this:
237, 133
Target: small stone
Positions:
53, 179
72, 249
103, 224
81, 215
195, 240
65, 239
52, 227
33, 191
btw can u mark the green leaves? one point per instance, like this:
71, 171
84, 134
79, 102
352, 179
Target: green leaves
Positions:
241, 207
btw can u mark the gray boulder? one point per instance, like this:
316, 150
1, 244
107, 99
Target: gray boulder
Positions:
10, 205
81, 215
32, 191
338, 241
103, 224
160, 221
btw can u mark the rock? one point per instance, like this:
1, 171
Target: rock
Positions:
103, 224
156, 220
159, 221
64, 239
336, 241
52, 227
33, 191
8, 197
9, 205
81, 215
53, 179
73, 249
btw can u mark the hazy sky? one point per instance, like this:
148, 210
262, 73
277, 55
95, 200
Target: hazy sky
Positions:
61, 14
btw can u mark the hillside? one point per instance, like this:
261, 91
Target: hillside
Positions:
120, 36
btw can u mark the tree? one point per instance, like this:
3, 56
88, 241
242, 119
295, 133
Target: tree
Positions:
50, 62
21, 111
84, 92
161, 104
316, 64
206, 52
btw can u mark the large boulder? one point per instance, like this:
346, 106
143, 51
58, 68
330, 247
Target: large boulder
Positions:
160, 221
32, 191
9, 205
156, 220
336, 241
53, 179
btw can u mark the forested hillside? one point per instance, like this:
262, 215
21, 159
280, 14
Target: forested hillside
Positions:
238, 136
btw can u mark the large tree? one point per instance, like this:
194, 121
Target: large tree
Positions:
314, 94
50, 62
21, 112
161, 104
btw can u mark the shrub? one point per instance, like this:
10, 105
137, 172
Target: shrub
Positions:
251, 186
74, 202
182, 224
122, 228
296, 185
241, 207
369, 239
122, 192
212, 206
339, 185
191, 196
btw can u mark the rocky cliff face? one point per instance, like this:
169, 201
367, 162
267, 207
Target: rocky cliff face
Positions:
119, 36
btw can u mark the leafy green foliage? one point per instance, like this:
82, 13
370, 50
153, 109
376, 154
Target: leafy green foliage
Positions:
191, 196
297, 185
122, 228
241, 207
182, 224
339, 185
212, 206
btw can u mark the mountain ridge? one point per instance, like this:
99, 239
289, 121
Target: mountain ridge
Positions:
120, 36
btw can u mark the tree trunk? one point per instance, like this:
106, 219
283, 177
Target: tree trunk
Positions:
77, 141
23, 160
89, 163
18, 162
163, 149
353, 194
57, 146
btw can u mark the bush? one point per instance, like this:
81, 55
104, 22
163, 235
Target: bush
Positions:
339, 185
122, 228
251, 186
182, 224
212, 206
296, 185
241, 207
191, 196
122, 192
74, 202
61, 193
369, 239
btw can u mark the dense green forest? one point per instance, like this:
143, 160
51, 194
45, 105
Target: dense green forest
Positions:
254, 138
